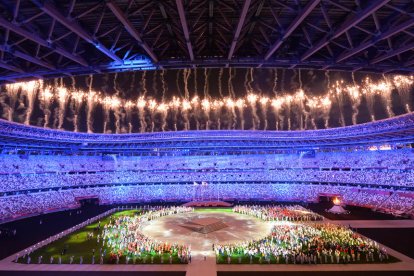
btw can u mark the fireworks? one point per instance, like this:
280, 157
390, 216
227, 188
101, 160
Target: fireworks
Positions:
205, 103
175, 103
252, 98
240, 103
217, 104
261, 105
112, 103
62, 93
152, 104
162, 107
229, 103
403, 81
129, 104
186, 105
264, 100
141, 103
77, 96
277, 103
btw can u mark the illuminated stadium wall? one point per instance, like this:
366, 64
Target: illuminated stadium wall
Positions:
367, 165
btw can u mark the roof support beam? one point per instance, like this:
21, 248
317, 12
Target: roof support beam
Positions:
393, 53
217, 63
240, 24
79, 70
180, 8
18, 70
10, 67
286, 63
167, 24
348, 24
33, 60
295, 23
27, 57
33, 37
409, 63
131, 29
74, 26
387, 34
16, 10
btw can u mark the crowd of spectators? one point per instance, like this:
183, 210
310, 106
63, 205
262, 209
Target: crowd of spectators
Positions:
392, 168
19, 182
40, 183
36, 203
33, 203
399, 203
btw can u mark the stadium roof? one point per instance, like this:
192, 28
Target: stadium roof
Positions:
45, 38
396, 130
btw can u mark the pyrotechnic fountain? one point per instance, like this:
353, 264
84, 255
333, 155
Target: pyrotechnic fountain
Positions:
29, 89
272, 109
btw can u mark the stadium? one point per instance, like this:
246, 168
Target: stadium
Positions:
206, 137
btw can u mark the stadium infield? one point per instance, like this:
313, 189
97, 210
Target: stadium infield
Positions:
201, 267
80, 245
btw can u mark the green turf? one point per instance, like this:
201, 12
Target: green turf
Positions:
78, 245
